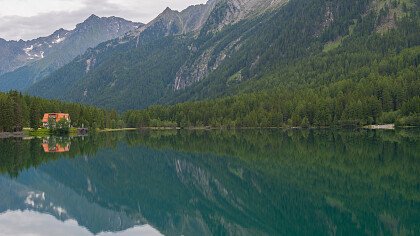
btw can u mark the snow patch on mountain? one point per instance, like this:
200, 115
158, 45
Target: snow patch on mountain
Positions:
28, 49
59, 40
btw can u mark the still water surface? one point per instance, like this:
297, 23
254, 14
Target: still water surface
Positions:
319, 182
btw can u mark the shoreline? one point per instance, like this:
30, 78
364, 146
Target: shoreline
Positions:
115, 130
27, 134
4, 135
380, 127
370, 127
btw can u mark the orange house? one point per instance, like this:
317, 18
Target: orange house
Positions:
58, 148
56, 116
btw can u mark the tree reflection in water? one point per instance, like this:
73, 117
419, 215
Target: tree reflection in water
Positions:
224, 182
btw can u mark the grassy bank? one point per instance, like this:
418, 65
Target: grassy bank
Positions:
42, 132
115, 130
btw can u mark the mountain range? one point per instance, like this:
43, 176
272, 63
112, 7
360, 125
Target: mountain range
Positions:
152, 60
25, 62
221, 48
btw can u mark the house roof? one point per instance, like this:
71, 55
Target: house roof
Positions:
55, 149
58, 116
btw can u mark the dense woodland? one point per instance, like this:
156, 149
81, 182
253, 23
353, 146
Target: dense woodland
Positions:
367, 77
360, 68
388, 95
18, 111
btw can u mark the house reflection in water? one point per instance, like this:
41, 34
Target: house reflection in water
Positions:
51, 146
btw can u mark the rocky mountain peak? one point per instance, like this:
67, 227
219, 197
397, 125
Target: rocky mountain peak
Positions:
92, 17
45, 54
60, 31
226, 12
172, 22
167, 9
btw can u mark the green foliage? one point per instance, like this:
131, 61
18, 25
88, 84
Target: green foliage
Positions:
370, 79
346, 102
122, 79
18, 111
411, 120
62, 127
388, 117
141, 72
275, 74
305, 122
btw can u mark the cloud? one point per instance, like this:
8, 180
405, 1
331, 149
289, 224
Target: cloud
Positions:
28, 19
35, 223
32, 8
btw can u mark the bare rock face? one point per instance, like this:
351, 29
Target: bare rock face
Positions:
227, 12
224, 13
191, 73
214, 15
171, 22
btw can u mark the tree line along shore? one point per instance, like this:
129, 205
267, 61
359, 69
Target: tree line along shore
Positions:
281, 110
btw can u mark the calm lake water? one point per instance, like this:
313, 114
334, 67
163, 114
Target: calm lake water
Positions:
320, 182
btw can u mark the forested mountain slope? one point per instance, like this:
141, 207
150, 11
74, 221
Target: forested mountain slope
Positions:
134, 71
22, 63
370, 75
296, 44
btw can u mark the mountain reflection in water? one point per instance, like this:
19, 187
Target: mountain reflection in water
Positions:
216, 183
34, 223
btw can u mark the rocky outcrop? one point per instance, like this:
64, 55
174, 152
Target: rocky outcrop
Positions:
198, 69
224, 13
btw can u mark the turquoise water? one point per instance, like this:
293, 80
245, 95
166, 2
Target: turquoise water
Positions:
320, 182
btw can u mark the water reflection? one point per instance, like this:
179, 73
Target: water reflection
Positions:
35, 223
56, 145
222, 183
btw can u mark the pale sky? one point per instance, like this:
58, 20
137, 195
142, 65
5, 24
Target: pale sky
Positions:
29, 19
25, 223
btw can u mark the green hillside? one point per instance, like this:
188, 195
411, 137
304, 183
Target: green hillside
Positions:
356, 63
371, 77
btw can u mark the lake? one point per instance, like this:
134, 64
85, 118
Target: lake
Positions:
250, 182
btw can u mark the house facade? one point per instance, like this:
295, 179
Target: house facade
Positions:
57, 148
54, 116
